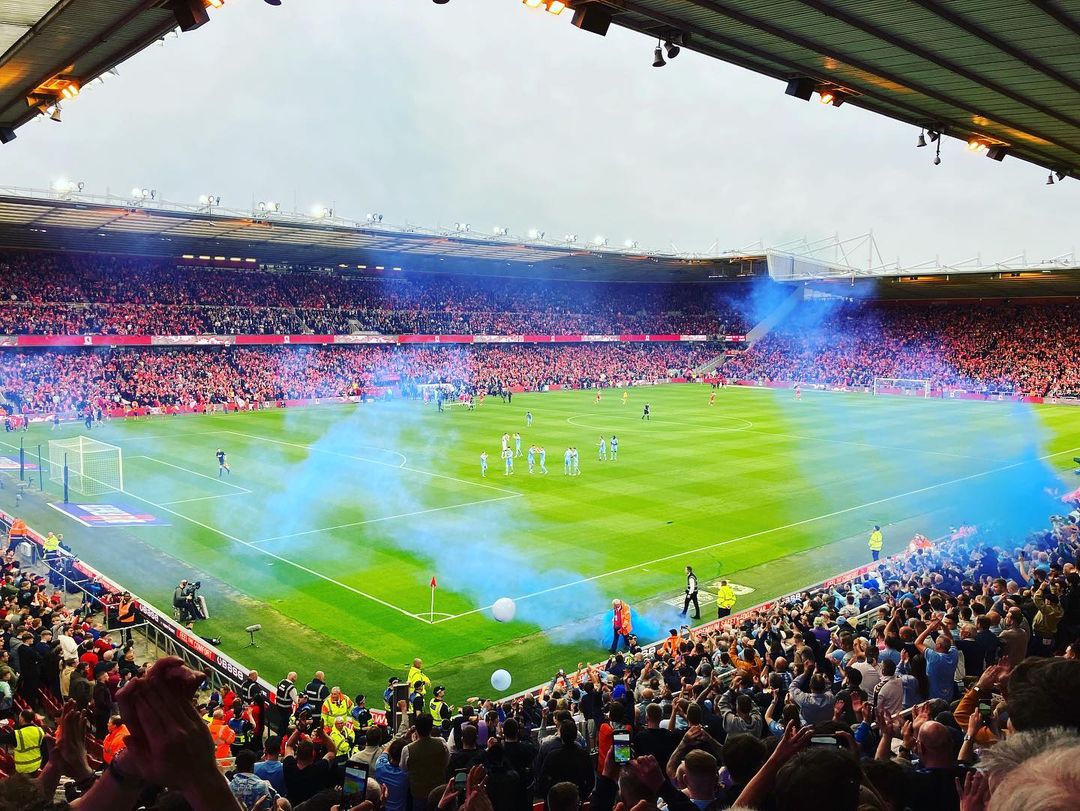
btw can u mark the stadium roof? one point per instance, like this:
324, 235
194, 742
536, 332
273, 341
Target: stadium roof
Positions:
70, 220
49, 45
1006, 72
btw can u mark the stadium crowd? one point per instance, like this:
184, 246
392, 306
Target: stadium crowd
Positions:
944, 677
994, 347
51, 294
42, 381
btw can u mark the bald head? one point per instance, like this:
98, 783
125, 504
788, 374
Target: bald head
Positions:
935, 745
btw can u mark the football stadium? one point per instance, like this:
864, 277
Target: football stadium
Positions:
310, 508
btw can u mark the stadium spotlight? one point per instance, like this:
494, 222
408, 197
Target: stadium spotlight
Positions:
555, 7
532, 3
70, 90
500, 231
978, 146
922, 140
209, 200
830, 96
630, 243
215, 3
374, 217
462, 227
658, 56
570, 239
64, 186
270, 207
600, 241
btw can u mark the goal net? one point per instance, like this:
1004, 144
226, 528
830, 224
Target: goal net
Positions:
93, 467
911, 387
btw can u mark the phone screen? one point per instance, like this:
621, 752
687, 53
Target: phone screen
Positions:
824, 740
622, 751
461, 779
355, 784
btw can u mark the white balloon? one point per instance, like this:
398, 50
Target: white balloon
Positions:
500, 680
504, 609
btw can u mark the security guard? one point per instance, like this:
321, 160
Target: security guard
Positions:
125, 616
416, 674
340, 738
240, 724
337, 705
317, 691
440, 710
725, 600
50, 546
285, 701
875, 542
28, 740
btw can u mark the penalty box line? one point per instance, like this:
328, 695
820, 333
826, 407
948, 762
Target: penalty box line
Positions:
387, 518
769, 531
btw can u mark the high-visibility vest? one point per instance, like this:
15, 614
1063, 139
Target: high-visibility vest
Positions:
113, 743
125, 612
51, 543
875, 540
332, 710
223, 739
725, 597
27, 752
281, 695
243, 729
341, 742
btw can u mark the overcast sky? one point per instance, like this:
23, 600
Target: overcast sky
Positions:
486, 112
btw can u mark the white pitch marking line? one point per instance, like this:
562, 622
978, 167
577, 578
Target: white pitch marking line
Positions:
749, 429
207, 498
771, 530
377, 462
387, 518
284, 560
217, 479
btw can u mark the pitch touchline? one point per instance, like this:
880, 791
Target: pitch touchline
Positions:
387, 518
766, 531
402, 466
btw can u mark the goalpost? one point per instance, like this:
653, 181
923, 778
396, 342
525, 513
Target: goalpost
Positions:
93, 467
909, 386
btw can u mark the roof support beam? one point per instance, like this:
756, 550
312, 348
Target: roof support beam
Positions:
912, 47
870, 99
818, 48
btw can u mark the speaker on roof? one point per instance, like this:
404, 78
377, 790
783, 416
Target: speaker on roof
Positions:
594, 18
801, 87
190, 14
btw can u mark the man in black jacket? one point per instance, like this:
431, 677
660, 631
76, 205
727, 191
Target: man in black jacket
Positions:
569, 763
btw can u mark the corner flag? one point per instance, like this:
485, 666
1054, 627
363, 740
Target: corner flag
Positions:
434, 585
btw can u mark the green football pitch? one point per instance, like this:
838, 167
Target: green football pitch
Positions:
335, 518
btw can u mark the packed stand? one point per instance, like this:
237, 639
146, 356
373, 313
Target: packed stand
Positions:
50, 294
999, 347
42, 381
946, 677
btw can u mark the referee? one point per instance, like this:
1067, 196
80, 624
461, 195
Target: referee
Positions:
691, 594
